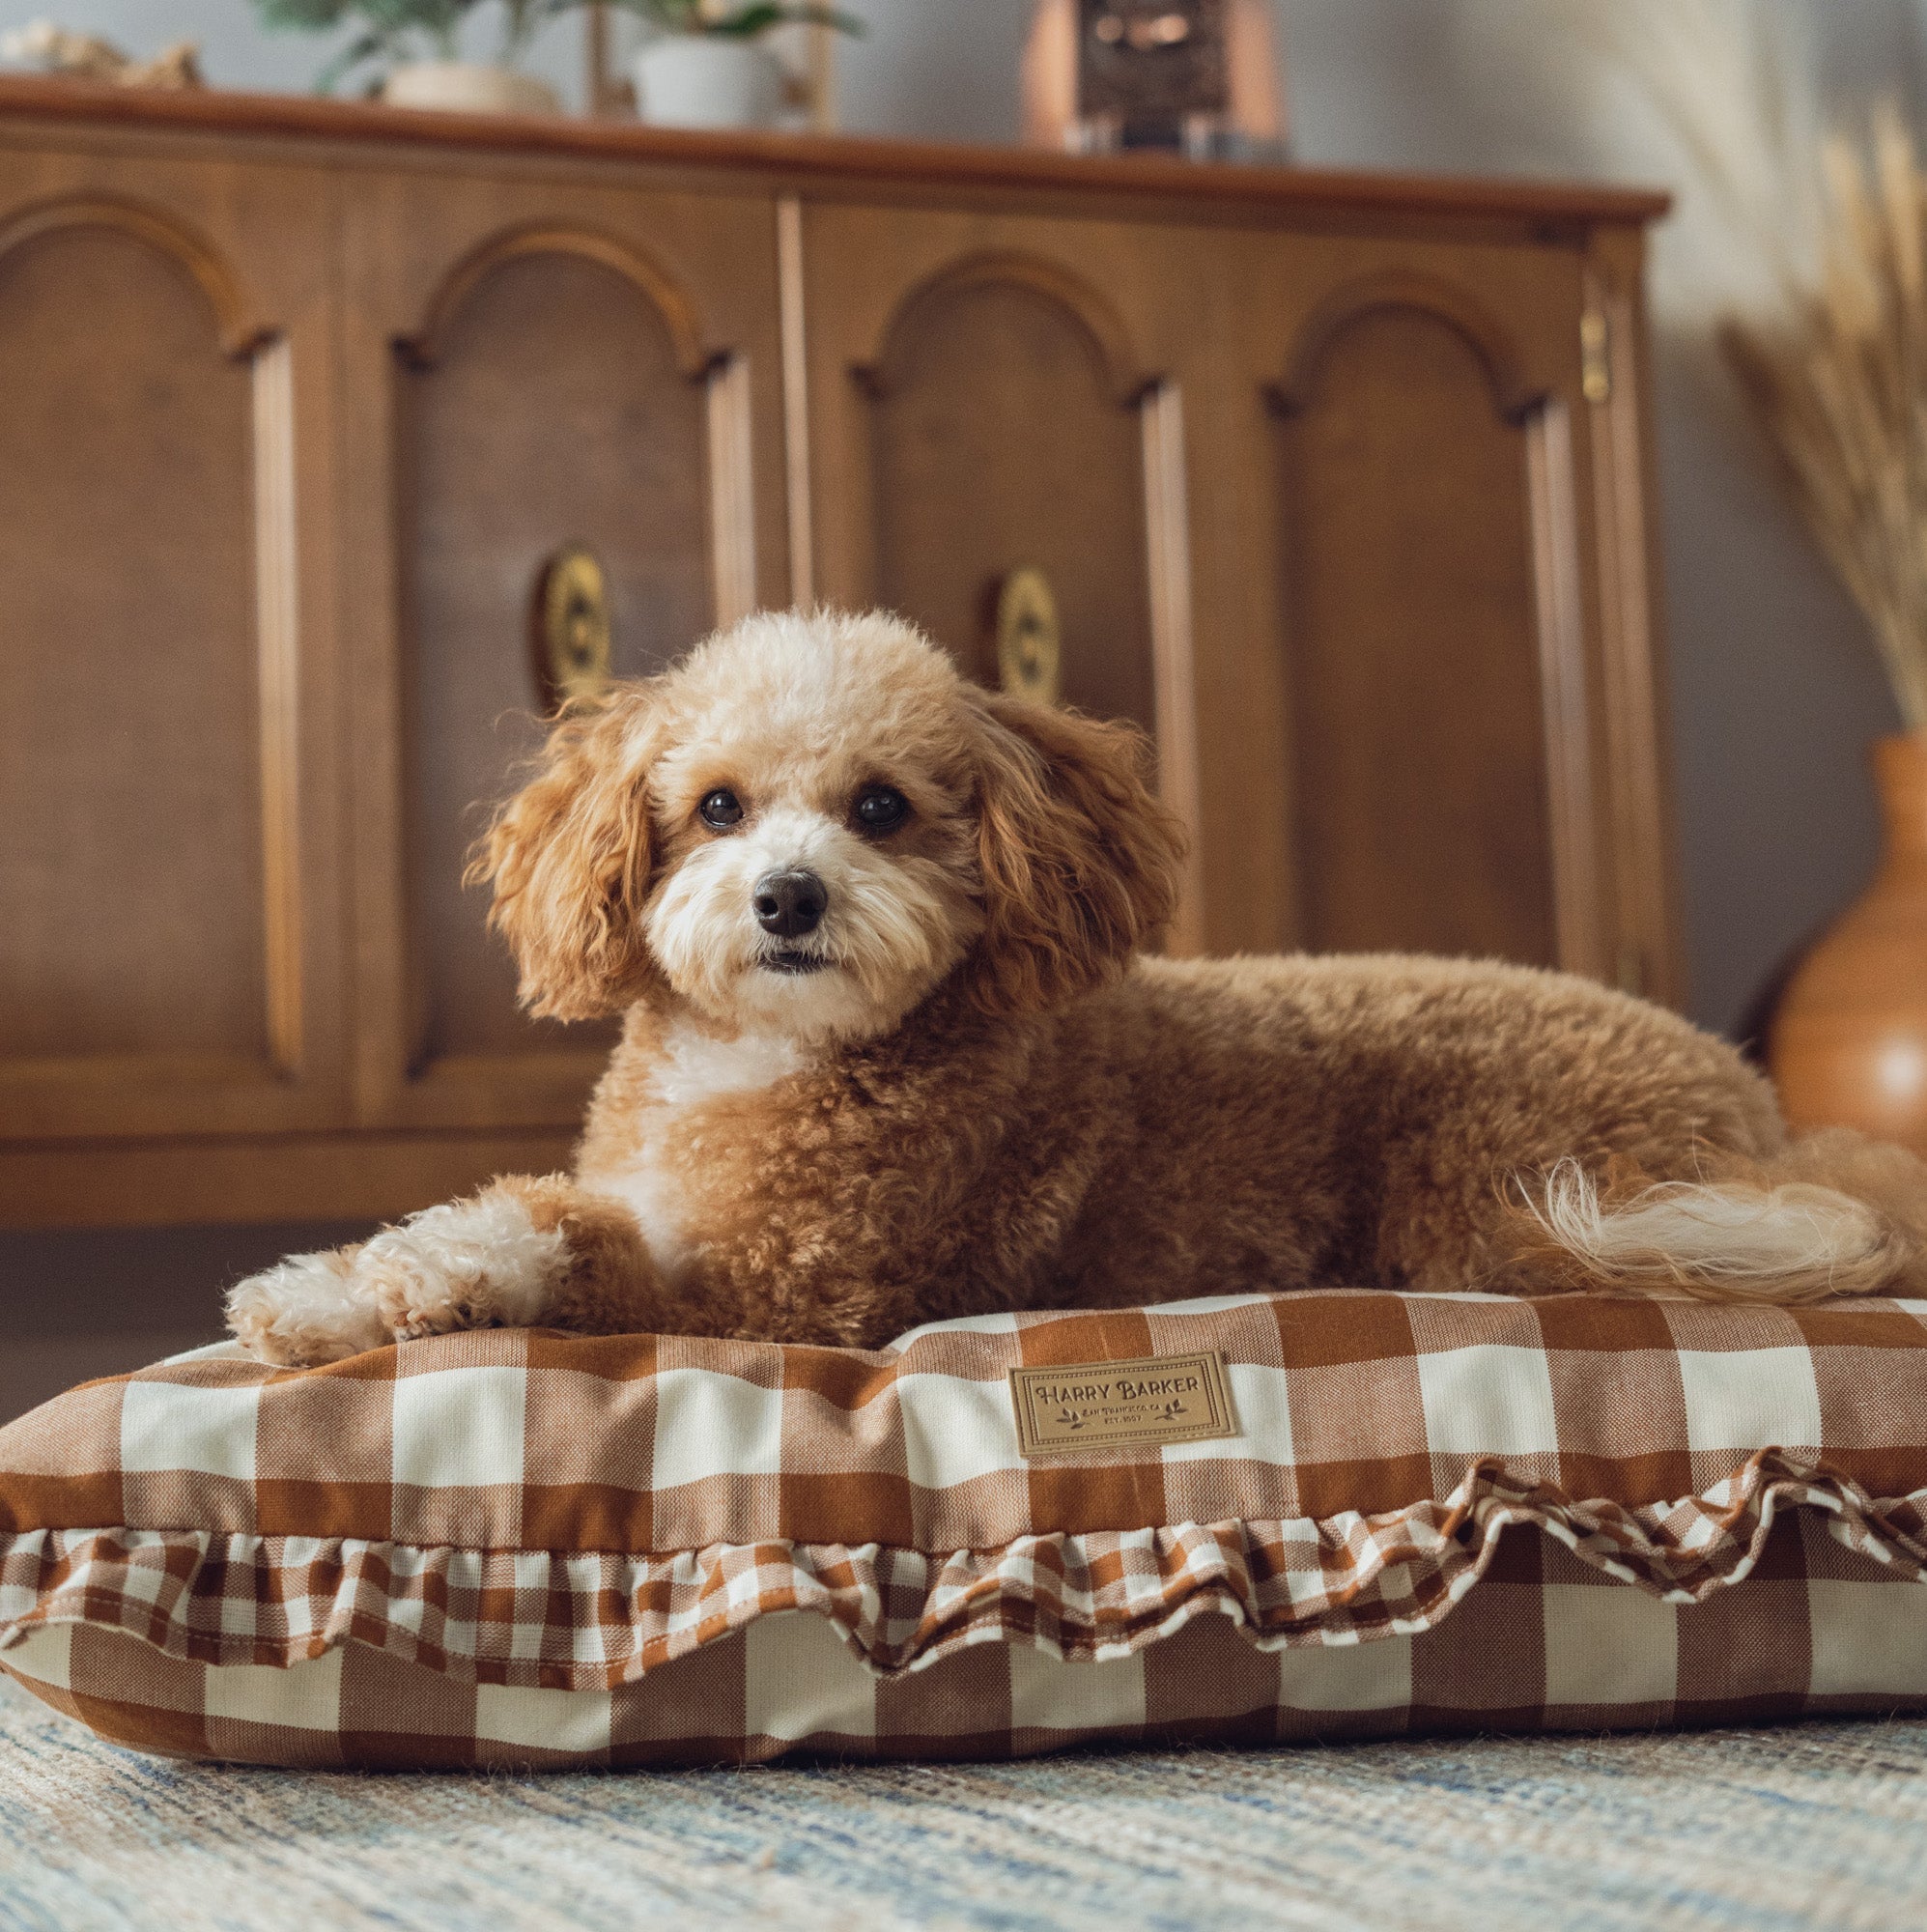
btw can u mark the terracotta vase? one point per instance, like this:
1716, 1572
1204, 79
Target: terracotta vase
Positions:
1848, 1045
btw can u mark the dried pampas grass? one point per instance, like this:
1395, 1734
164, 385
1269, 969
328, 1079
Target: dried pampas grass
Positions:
1714, 95
1817, 284
1839, 384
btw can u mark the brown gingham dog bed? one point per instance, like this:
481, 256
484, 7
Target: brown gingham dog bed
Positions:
1434, 1513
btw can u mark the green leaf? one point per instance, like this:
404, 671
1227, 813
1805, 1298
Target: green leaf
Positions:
310, 17
758, 16
672, 17
833, 18
748, 22
366, 47
390, 19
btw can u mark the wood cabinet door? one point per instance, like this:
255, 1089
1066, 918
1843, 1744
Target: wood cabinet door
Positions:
534, 363
1348, 520
170, 902
1448, 498
988, 394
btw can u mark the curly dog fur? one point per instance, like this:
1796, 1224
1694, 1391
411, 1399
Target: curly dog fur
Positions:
946, 1080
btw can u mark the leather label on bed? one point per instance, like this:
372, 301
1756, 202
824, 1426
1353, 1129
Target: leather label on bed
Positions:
1150, 1402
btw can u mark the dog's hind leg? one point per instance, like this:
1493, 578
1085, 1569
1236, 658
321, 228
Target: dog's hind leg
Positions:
1829, 1215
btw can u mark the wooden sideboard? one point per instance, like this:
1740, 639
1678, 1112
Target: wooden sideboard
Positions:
1339, 483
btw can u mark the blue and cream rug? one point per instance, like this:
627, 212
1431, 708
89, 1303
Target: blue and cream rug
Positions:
1816, 1825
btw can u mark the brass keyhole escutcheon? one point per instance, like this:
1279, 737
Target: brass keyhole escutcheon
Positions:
572, 630
1030, 647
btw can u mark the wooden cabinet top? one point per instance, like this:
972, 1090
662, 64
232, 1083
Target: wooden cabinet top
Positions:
359, 133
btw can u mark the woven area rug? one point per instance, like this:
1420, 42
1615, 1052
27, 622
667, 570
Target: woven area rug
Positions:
1815, 1825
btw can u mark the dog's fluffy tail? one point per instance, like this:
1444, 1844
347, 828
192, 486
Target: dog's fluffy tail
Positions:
1833, 1215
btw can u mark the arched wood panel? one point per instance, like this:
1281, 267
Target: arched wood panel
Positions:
1418, 595
556, 396
138, 924
1005, 431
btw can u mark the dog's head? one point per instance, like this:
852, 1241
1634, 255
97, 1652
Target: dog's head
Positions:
810, 823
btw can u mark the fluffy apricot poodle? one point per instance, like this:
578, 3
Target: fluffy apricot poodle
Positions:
893, 1050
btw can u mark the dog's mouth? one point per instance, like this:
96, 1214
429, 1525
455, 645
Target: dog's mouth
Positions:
793, 959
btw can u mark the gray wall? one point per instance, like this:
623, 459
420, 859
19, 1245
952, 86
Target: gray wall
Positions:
1775, 692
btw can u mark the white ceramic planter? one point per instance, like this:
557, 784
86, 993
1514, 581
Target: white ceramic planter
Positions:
465, 87
704, 80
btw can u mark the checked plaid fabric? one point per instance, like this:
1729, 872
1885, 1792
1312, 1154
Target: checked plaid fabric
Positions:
522, 1546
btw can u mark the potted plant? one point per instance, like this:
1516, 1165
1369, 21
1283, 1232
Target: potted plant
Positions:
706, 64
410, 53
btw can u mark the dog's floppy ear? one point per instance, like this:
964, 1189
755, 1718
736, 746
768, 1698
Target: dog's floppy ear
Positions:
570, 856
1079, 859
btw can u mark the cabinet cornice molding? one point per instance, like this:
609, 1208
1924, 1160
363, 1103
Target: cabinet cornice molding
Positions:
425, 344
240, 329
1513, 391
1124, 376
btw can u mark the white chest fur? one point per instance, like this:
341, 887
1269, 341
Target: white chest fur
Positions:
693, 1069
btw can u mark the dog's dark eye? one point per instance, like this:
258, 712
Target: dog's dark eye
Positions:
721, 809
879, 808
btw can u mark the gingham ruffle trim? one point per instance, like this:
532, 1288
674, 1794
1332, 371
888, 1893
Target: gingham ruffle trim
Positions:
589, 1621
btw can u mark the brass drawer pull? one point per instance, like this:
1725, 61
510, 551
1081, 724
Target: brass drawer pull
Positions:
571, 628
1030, 647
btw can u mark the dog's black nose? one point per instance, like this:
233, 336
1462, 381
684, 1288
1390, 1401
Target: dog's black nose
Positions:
789, 904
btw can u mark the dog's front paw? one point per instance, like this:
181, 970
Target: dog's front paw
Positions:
478, 1263
303, 1311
